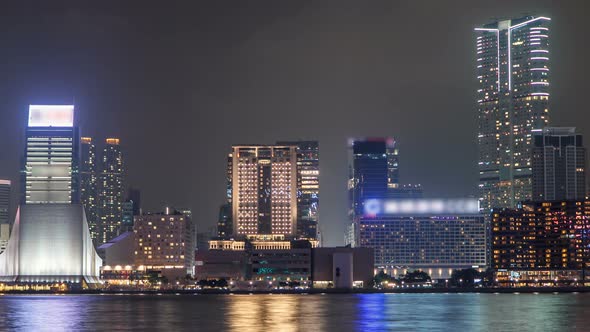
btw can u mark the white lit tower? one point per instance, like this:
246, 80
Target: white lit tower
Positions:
51, 158
513, 102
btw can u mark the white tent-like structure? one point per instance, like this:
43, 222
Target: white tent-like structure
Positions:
50, 243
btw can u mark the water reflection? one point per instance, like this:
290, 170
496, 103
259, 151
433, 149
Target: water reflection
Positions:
42, 313
274, 312
345, 312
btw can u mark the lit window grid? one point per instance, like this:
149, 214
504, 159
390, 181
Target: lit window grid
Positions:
407, 241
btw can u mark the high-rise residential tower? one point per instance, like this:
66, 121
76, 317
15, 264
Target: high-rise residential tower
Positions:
308, 187
88, 181
264, 190
50, 170
513, 100
110, 196
559, 163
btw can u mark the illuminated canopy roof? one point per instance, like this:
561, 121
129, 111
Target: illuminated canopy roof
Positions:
50, 243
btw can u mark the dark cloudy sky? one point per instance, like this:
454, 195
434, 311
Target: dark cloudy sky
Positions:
179, 82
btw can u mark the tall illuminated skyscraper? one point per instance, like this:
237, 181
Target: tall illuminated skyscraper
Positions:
513, 100
264, 190
50, 170
88, 181
308, 187
110, 196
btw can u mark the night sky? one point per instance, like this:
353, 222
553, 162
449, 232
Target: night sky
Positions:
179, 83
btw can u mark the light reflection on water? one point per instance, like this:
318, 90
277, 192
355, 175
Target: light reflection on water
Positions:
345, 312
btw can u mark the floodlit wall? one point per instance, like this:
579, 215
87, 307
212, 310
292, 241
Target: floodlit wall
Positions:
49, 243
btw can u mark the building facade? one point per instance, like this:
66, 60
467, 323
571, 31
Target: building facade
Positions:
5, 188
110, 195
126, 217
369, 172
51, 159
288, 261
165, 241
513, 100
134, 195
225, 228
308, 187
559, 165
437, 236
374, 175
264, 190
330, 270
542, 235
89, 181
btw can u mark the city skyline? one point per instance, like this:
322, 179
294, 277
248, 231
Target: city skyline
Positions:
374, 104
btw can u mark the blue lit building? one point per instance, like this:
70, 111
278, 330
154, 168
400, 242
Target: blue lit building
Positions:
368, 171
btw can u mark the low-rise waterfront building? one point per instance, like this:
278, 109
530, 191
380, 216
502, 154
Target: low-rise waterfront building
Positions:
342, 267
541, 243
165, 242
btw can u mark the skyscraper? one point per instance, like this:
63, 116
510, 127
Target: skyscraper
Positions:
374, 171
559, 163
264, 190
110, 197
88, 181
50, 170
225, 226
5, 186
4, 213
513, 100
308, 187
374, 174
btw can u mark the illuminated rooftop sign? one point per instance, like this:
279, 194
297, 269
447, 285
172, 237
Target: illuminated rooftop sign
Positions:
414, 207
51, 115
